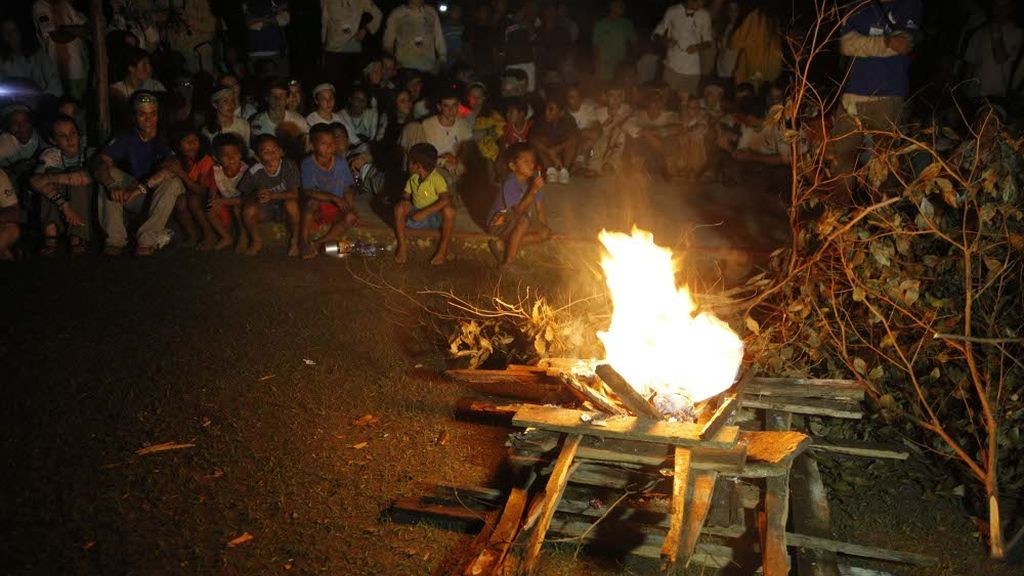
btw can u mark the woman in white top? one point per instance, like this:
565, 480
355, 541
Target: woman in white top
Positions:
323, 97
138, 76
224, 120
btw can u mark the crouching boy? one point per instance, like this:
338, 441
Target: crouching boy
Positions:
271, 184
509, 221
425, 204
327, 189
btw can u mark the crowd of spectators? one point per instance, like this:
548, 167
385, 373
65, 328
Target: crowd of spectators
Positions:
402, 105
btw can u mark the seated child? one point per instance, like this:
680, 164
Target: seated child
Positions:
225, 203
584, 112
517, 123
691, 158
19, 141
654, 130
611, 142
66, 187
425, 203
509, 220
327, 191
190, 207
271, 183
556, 138
9, 217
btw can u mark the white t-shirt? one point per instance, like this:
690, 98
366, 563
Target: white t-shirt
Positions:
315, 118
586, 116
447, 138
52, 160
683, 29
121, 90
370, 124
228, 185
262, 124
340, 23
988, 77
8, 195
71, 58
641, 121
238, 126
767, 140
12, 151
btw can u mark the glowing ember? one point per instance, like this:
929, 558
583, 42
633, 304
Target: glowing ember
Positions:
655, 341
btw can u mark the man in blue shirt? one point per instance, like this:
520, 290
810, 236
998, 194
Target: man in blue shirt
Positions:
139, 173
878, 37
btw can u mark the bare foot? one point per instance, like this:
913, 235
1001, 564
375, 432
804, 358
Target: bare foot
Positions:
223, 244
308, 251
439, 259
401, 255
497, 247
293, 249
255, 247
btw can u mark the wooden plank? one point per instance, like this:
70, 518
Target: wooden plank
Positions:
552, 494
812, 406
698, 505
805, 388
864, 449
808, 504
633, 538
774, 447
680, 484
416, 509
719, 417
596, 449
505, 531
774, 558
527, 388
491, 410
629, 397
805, 541
623, 427
589, 392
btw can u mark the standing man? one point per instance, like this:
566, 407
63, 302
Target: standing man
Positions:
878, 37
61, 30
614, 40
685, 30
343, 29
993, 55
139, 173
413, 35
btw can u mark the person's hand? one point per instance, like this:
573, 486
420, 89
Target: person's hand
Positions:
448, 160
79, 178
132, 195
213, 202
538, 181
117, 194
419, 216
361, 34
692, 49
263, 196
70, 216
901, 43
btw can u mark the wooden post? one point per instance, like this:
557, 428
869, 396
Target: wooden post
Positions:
809, 505
552, 494
680, 480
774, 557
630, 398
99, 58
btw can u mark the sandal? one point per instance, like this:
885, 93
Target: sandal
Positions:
49, 247
79, 247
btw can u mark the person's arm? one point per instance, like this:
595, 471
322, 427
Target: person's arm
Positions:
47, 71
704, 33
387, 43
523, 206
443, 199
439, 41
542, 214
290, 194
119, 194
65, 34
370, 7
999, 51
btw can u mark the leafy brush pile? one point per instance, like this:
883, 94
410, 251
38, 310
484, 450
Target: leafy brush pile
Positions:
915, 290
497, 332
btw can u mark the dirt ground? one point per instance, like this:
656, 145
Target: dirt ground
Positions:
263, 367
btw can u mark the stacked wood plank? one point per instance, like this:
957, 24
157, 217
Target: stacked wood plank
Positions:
599, 468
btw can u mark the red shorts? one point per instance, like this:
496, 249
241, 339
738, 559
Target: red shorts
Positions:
225, 215
327, 213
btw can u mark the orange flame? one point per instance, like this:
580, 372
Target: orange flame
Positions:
654, 340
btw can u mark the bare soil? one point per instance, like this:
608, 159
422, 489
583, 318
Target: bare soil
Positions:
265, 366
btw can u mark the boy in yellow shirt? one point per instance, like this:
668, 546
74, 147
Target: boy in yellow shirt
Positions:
425, 204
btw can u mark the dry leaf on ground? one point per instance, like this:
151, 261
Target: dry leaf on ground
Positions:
164, 447
239, 540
